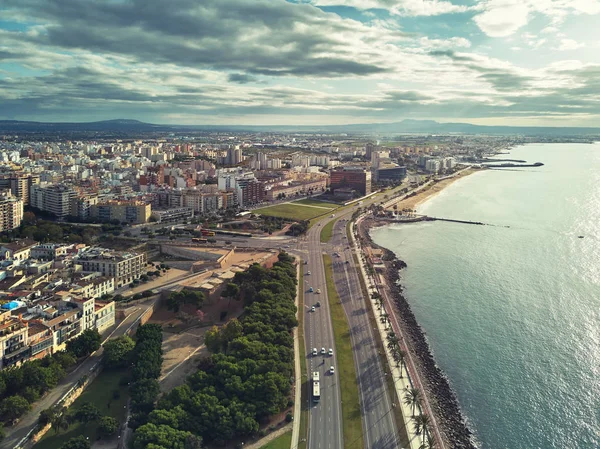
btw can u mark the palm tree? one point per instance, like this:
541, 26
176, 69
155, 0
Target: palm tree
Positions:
401, 360
423, 421
430, 441
411, 398
60, 420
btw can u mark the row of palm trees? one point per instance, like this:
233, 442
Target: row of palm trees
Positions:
412, 396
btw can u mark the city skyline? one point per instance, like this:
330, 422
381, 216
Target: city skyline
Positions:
495, 62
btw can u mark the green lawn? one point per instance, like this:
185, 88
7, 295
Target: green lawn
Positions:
327, 231
282, 442
317, 203
292, 211
99, 393
351, 415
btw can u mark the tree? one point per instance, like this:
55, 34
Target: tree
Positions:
160, 436
107, 426
60, 419
411, 398
88, 342
422, 422
117, 351
231, 291
87, 412
79, 442
13, 407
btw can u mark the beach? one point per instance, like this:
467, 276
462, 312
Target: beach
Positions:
412, 202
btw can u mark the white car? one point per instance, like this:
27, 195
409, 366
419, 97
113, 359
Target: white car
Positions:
314, 352
330, 351
308, 273
323, 351
332, 370
312, 309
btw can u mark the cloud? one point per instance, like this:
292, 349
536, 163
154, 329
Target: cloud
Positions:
569, 44
270, 37
241, 78
399, 7
501, 18
240, 61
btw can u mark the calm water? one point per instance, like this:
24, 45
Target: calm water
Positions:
513, 314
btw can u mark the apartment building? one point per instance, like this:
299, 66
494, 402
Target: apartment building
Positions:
11, 212
49, 251
133, 212
18, 250
94, 287
104, 313
124, 267
55, 199
13, 340
297, 188
19, 184
81, 206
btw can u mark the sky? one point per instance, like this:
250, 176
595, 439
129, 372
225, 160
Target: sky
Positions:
304, 62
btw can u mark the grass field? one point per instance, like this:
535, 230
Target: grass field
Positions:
351, 415
100, 393
292, 211
304, 373
317, 203
327, 231
282, 442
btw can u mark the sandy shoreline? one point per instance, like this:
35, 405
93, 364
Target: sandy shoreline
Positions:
429, 192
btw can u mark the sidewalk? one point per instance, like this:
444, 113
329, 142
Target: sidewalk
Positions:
402, 384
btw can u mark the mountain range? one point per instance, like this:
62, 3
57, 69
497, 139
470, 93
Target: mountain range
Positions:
402, 127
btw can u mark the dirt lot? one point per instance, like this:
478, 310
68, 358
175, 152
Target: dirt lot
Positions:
182, 352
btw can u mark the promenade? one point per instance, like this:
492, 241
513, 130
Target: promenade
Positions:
408, 378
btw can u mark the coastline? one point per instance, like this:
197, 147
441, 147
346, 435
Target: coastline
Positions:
412, 202
442, 397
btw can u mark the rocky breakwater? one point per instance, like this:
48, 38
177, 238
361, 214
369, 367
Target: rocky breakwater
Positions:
442, 398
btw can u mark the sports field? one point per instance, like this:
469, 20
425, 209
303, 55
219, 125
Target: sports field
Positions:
298, 210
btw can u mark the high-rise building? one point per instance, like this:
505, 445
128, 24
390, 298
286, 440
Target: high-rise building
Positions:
55, 199
11, 212
19, 184
356, 178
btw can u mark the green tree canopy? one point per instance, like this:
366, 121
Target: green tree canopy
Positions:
117, 351
88, 342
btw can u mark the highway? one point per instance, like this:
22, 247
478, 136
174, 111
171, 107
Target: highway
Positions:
16, 436
379, 426
325, 422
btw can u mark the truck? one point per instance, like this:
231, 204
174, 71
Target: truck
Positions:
198, 240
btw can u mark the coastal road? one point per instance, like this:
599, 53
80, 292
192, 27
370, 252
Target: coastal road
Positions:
325, 426
325, 422
379, 425
16, 436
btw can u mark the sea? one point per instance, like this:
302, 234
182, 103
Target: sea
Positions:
511, 310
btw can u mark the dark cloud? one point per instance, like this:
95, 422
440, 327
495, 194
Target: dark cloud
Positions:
241, 78
270, 37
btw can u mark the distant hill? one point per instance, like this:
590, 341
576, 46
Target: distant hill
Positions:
402, 127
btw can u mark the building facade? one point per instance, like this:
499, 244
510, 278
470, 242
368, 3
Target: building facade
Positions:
356, 178
11, 212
